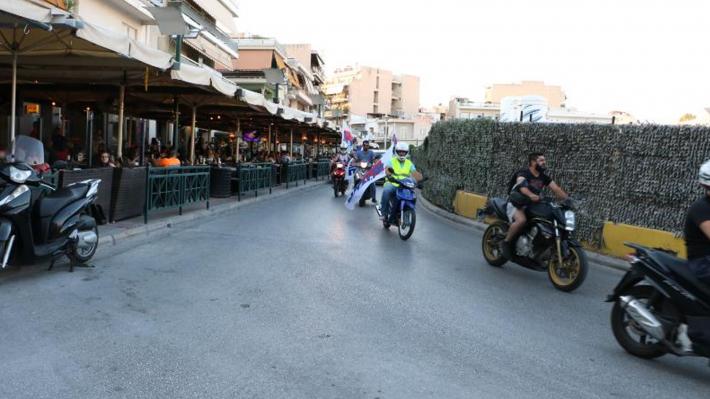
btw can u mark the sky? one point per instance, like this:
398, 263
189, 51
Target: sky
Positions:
650, 58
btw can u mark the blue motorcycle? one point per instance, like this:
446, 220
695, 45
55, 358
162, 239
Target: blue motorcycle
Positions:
402, 208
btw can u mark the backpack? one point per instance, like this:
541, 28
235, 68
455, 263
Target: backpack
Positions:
513, 180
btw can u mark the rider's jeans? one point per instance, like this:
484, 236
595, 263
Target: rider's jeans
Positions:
388, 192
699, 327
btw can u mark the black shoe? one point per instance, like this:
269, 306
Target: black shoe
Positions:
374, 201
506, 249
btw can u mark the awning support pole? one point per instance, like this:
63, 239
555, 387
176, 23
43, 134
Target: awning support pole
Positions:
238, 157
121, 100
177, 125
13, 106
192, 134
290, 148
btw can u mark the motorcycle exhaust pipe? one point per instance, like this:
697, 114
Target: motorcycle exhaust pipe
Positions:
640, 313
87, 239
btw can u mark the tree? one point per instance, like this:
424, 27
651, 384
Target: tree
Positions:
687, 117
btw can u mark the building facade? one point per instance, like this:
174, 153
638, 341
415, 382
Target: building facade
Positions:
363, 90
553, 94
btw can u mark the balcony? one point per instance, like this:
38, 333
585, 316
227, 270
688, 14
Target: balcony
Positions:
209, 26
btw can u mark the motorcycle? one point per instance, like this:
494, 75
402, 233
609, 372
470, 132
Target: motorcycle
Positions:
340, 185
362, 168
653, 303
38, 220
402, 208
546, 243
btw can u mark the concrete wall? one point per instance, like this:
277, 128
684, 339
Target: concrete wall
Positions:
637, 175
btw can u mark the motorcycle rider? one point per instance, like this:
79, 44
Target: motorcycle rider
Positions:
399, 167
529, 183
365, 155
342, 156
697, 242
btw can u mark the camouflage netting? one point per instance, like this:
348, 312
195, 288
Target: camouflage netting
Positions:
640, 175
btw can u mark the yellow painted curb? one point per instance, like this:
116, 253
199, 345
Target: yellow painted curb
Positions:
468, 204
614, 235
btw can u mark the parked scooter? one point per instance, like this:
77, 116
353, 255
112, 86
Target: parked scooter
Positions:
402, 208
653, 304
546, 244
340, 185
362, 168
37, 220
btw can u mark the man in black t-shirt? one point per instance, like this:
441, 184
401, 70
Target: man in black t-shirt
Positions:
697, 242
529, 183
697, 230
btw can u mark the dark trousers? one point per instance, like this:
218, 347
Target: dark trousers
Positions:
699, 326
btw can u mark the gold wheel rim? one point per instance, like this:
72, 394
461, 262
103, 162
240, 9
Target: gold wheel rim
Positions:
572, 266
489, 249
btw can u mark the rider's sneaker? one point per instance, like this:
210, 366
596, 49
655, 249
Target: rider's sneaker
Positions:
682, 340
374, 201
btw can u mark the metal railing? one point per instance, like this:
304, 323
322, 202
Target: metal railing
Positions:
322, 169
295, 172
254, 177
175, 187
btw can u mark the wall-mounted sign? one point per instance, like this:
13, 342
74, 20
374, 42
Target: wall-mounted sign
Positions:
31, 108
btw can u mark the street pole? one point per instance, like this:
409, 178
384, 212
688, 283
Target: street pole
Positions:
268, 143
121, 108
192, 134
290, 147
386, 133
13, 106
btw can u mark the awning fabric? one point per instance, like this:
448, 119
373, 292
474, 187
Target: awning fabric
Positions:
256, 100
221, 84
150, 56
192, 74
26, 10
105, 38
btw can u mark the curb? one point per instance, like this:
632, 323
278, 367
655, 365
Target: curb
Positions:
172, 221
600, 259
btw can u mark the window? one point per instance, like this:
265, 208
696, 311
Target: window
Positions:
375, 109
376, 97
131, 32
377, 83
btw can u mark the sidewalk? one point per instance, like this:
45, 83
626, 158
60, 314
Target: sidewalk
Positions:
603, 260
113, 233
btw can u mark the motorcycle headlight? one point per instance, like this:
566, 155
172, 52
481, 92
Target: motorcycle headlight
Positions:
339, 165
570, 221
19, 176
363, 165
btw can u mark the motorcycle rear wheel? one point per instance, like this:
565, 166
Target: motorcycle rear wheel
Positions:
79, 255
492, 253
572, 274
632, 338
405, 226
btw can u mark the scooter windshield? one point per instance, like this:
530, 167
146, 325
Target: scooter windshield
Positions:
29, 150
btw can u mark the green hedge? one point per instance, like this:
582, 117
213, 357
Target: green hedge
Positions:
643, 175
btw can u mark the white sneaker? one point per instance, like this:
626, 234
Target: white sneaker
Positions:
682, 340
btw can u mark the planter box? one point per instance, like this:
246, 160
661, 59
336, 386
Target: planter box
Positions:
128, 193
221, 182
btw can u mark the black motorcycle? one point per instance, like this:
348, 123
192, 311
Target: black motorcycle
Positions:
37, 220
654, 301
546, 243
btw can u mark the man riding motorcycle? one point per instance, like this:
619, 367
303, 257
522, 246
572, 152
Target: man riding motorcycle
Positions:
526, 190
365, 155
697, 241
342, 156
399, 167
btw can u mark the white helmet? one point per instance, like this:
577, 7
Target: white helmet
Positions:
704, 174
343, 148
402, 150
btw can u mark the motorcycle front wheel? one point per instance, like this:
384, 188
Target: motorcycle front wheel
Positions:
572, 273
407, 223
628, 333
335, 190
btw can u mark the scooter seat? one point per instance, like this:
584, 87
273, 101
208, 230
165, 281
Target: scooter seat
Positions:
500, 207
51, 203
679, 267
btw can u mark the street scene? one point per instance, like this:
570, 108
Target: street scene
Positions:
262, 199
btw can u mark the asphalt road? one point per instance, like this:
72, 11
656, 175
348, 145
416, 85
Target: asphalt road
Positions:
298, 297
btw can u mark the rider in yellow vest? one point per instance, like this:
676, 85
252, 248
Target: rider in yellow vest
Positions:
398, 167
